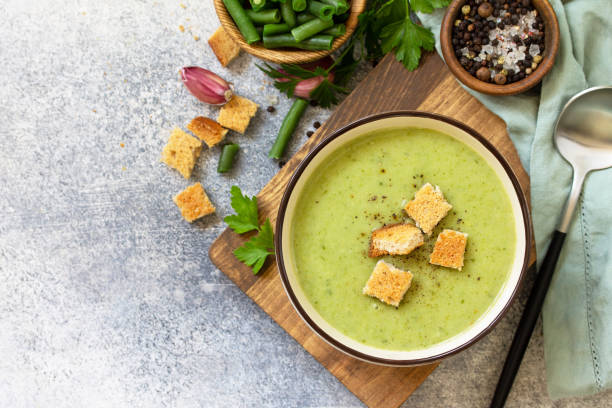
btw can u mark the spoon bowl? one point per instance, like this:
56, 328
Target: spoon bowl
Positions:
583, 133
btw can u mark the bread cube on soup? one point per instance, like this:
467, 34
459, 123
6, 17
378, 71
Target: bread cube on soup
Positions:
449, 249
396, 239
193, 202
207, 130
428, 207
388, 283
224, 47
236, 114
181, 152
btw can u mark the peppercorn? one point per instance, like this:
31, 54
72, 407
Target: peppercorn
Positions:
485, 10
483, 74
537, 59
271, 109
316, 124
465, 9
471, 27
528, 71
499, 79
309, 133
534, 65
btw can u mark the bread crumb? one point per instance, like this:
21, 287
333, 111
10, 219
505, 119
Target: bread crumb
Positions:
193, 202
449, 249
237, 113
224, 47
395, 239
207, 130
122, 144
182, 29
388, 283
428, 207
183, 6
196, 37
181, 152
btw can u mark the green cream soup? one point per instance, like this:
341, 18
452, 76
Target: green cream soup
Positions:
365, 185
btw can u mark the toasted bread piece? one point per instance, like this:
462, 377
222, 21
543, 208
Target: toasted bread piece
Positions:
193, 202
449, 249
207, 130
224, 47
181, 152
395, 239
428, 207
237, 113
388, 283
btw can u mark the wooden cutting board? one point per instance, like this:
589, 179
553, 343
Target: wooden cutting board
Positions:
388, 87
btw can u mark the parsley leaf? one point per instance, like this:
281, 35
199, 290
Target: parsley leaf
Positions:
245, 218
428, 6
255, 251
407, 38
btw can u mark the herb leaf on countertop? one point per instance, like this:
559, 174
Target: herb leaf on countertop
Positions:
246, 217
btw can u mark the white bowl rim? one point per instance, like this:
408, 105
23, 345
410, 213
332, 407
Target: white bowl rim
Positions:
278, 239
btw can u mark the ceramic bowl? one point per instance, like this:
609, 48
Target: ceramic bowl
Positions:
551, 41
334, 143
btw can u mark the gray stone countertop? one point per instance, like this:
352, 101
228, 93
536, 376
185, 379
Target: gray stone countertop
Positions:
107, 296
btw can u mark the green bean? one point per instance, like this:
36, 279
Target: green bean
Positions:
242, 20
316, 43
298, 5
226, 161
257, 4
310, 28
288, 13
321, 10
336, 30
273, 29
304, 18
340, 6
286, 130
270, 16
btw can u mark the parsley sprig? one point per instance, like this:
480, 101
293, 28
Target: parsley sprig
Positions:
255, 251
326, 94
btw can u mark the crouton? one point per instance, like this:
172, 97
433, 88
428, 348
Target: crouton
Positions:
428, 207
193, 202
181, 152
237, 113
449, 249
388, 283
224, 47
207, 130
396, 239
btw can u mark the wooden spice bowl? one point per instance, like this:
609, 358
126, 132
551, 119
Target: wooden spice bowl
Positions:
551, 42
288, 55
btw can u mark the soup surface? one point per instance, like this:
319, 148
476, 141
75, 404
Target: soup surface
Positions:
365, 185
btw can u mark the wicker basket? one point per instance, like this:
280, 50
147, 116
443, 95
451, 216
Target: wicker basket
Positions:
287, 56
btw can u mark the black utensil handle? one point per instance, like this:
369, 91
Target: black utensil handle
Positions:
528, 320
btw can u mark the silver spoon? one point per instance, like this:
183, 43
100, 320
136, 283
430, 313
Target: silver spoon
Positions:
583, 135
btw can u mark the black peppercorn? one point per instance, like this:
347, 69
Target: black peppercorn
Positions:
316, 124
270, 109
309, 133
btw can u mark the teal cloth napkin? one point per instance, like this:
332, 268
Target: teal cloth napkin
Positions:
577, 314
